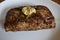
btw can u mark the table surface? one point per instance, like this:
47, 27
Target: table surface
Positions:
57, 1
1, 0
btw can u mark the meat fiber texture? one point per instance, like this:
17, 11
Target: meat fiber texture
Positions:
16, 20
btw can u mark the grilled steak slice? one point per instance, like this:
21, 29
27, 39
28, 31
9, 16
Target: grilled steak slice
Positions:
16, 20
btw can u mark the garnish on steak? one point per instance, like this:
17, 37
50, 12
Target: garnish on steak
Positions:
29, 18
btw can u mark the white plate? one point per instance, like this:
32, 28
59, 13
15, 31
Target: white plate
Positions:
29, 35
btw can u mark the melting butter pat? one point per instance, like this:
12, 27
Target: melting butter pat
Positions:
28, 10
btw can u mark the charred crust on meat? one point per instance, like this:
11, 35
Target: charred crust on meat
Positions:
16, 19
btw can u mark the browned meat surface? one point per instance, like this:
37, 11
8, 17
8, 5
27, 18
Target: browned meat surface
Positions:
16, 20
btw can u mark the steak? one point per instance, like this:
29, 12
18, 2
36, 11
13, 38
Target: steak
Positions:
16, 20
